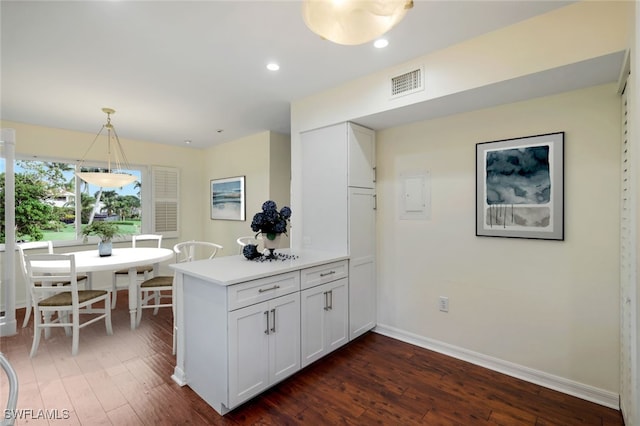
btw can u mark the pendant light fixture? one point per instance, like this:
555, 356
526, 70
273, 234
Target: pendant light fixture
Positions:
115, 176
352, 22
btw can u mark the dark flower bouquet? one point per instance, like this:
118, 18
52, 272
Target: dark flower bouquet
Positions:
270, 221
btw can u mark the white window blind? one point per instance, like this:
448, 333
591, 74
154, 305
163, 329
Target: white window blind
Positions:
165, 200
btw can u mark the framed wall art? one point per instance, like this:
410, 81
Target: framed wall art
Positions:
520, 187
228, 198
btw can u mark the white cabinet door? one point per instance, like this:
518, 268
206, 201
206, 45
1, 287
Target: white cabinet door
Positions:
324, 318
362, 255
337, 333
362, 296
324, 186
284, 337
248, 352
362, 156
313, 303
264, 346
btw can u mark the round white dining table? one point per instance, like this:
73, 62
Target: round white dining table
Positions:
88, 261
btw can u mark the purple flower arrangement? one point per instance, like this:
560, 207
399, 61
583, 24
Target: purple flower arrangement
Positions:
270, 221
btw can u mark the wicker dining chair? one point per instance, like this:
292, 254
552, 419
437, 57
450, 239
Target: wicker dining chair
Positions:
65, 301
152, 291
144, 272
23, 250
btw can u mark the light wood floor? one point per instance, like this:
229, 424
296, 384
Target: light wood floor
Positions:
124, 379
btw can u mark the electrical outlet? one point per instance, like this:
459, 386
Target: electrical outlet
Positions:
443, 304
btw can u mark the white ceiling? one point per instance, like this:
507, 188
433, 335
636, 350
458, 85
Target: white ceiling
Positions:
178, 70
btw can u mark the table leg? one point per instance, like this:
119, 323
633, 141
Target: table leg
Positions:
133, 295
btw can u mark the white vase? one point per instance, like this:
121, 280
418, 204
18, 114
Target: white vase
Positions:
104, 248
271, 244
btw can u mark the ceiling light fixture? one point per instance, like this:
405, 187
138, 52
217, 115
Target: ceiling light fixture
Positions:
352, 22
111, 177
381, 43
272, 66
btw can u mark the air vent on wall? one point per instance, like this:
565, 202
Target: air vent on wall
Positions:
408, 82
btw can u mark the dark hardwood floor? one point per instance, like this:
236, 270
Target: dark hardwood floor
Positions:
124, 379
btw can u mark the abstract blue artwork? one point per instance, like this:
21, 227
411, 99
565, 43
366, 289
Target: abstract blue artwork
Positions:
228, 198
520, 187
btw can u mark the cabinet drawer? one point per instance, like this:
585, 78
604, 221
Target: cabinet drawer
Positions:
250, 292
312, 277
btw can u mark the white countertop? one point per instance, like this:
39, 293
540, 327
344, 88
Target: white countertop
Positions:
229, 270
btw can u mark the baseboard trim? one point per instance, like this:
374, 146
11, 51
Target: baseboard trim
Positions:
179, 377
560, 384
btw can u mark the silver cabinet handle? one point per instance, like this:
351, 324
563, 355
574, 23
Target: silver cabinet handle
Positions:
262, 290
273, 325
267, 315
330, 299
375, 174
328, 273
326, 300
375, 201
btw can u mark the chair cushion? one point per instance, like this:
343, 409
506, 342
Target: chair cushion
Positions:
161, 281
64, 299
140, 270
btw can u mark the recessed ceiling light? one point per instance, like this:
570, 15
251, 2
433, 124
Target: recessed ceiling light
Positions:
187, 141
273, 66
381, 43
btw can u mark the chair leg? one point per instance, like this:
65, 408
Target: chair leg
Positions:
27, 313
75, 339
156, 295
107, 318
46, 318
36, 331
76, 331
114, 291
64, 316
139, 307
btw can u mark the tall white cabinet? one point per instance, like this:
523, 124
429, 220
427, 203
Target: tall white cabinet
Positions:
338, 181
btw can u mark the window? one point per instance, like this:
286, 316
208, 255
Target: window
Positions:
53, 204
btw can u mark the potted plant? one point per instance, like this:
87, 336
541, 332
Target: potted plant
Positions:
106, 231
271, 223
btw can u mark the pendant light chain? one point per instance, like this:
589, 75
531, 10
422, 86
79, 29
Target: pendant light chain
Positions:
118, 178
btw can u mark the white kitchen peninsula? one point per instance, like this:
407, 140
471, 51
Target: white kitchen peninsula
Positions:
238, 322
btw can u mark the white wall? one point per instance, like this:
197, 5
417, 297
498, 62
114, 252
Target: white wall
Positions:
265, 161
547, 305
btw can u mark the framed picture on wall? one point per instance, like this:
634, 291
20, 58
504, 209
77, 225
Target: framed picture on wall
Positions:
228, 198
520, 187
